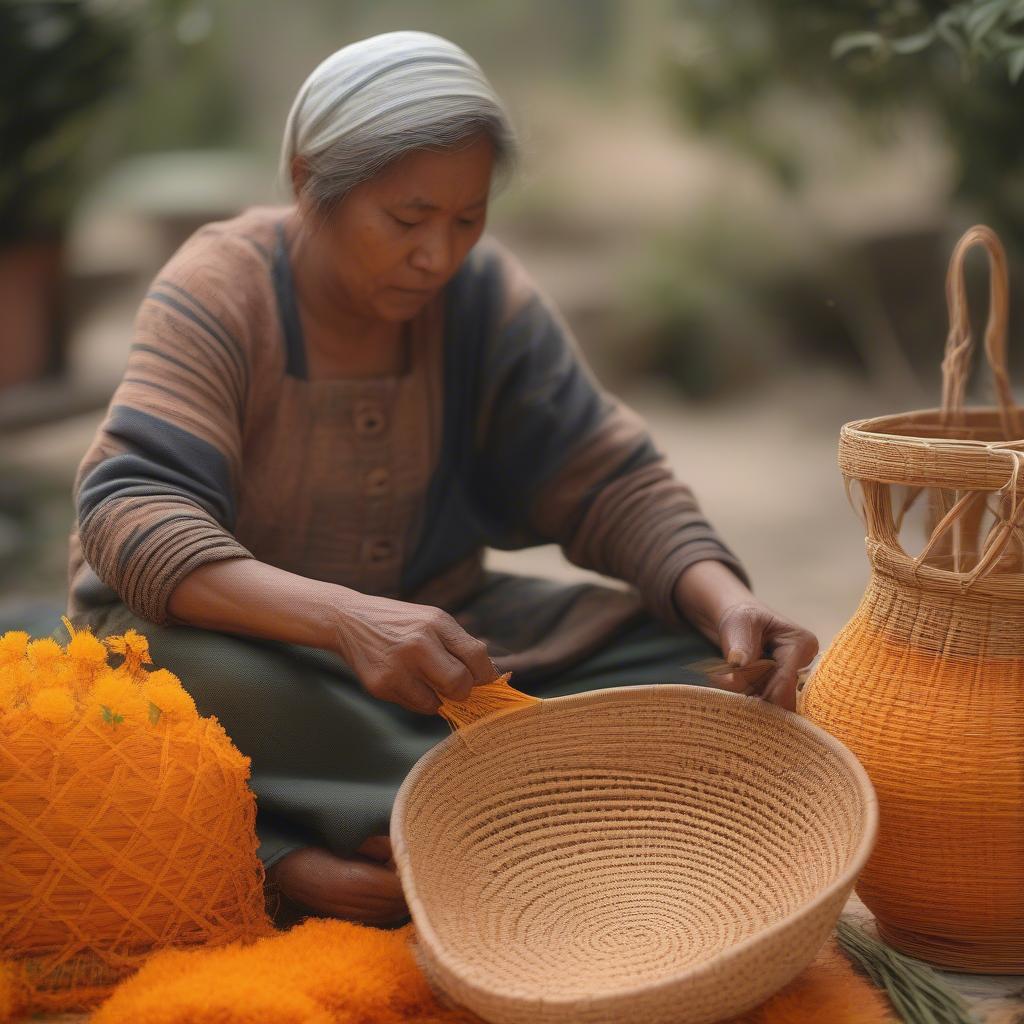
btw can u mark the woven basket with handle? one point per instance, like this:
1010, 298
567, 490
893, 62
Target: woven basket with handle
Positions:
926, 682
655, 853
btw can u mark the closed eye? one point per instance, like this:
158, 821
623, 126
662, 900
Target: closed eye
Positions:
414, 223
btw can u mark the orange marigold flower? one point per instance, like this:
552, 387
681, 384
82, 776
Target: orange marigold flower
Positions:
163, 689
86, 652
115, 698
12, 646
53, 705
134, 647
61, 675
45, 654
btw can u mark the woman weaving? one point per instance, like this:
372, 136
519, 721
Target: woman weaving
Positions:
329, 411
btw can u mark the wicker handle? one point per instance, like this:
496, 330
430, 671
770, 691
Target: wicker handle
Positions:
959, 343
955, 525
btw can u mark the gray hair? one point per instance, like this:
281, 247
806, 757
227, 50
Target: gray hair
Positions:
374, 100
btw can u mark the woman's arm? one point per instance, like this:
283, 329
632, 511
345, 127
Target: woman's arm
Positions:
401, 652
559, 459
155, 493
703, 592
252, 598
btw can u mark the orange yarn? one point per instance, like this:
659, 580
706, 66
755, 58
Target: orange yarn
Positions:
126, 822
338, 972
335, 972
487, 699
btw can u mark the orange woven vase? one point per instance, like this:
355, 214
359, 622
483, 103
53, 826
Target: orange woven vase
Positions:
926, 682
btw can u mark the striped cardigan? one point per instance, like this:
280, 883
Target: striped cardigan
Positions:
218, 444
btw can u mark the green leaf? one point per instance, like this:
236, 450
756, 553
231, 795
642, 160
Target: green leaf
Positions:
109, 717
154, 713
916, 991
948, 28
914, 43
1015, 64
1006, 42
851, 41
982, 19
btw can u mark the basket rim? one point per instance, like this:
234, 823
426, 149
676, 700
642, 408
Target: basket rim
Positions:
844, 881
941, 457
874, 426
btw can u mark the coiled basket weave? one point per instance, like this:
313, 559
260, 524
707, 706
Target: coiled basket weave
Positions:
657, 853
925, 683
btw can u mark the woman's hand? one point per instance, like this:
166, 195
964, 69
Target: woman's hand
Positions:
718, 603
408, 653
401, 652
747, 629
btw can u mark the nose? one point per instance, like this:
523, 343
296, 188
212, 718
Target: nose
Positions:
434, 253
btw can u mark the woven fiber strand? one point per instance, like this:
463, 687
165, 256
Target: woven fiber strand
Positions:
657, 853
123, 829
926, 682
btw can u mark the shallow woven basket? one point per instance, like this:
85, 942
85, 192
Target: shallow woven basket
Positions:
657, 853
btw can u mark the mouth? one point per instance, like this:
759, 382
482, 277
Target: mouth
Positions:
411, 291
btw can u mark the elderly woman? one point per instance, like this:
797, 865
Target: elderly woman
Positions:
329, 411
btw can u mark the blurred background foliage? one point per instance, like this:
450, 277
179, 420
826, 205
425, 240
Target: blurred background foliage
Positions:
957, 64
83, 83
779, 82
803, 235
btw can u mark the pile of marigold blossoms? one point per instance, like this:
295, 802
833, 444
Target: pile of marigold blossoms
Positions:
61, 685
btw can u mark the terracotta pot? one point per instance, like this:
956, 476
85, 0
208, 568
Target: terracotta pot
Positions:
32, 322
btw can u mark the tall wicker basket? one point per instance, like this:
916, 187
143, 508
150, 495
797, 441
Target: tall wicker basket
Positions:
926, 682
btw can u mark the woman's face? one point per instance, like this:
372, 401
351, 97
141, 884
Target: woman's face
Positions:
394, 241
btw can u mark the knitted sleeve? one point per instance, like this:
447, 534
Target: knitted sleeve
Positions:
155, 493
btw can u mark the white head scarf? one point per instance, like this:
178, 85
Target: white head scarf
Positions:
383, 84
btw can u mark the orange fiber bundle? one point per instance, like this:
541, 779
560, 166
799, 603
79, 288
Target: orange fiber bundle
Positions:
322, 971
925, 684
126, 821
492, 698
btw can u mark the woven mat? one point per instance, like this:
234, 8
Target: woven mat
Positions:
339, 973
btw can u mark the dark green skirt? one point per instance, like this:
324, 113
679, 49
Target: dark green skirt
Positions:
327, 757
